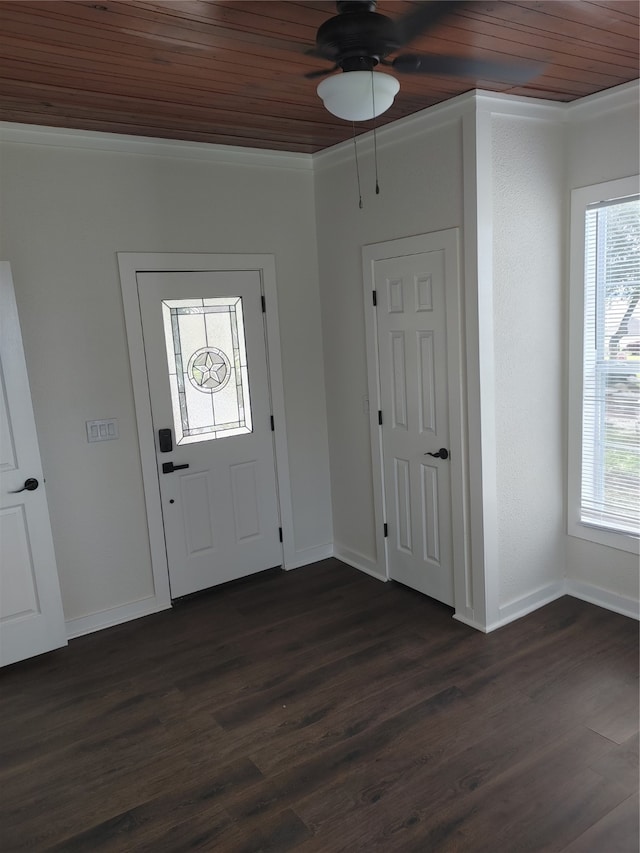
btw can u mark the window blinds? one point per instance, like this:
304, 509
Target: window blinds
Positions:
611, 367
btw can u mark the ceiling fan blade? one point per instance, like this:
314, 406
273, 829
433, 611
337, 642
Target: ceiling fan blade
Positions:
473, 69
322, 72
421, 18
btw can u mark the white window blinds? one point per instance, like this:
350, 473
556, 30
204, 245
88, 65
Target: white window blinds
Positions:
610, 496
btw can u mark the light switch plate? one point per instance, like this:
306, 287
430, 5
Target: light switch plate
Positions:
104, 430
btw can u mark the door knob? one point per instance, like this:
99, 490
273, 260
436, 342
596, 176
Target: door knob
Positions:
443, 453
30, 485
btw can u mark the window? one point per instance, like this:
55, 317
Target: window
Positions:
604, 440
208, 374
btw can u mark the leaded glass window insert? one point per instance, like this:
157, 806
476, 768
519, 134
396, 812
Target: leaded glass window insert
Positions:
207, 358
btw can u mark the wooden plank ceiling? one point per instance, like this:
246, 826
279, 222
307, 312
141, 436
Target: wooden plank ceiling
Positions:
233, 72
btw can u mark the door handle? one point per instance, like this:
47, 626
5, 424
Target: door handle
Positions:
443, 453
169, 467
30, 485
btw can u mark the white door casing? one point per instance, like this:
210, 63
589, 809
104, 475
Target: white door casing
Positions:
132, 263
220, 511
31, 615
415, 366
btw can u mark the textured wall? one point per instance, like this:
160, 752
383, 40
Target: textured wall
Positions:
528, 266
420, 191
65, 214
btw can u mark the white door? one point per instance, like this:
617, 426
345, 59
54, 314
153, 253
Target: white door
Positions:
205, 352
412, 351
31, 617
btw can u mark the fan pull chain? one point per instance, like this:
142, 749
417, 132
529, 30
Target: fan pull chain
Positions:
375, 157
355, 150
375, 141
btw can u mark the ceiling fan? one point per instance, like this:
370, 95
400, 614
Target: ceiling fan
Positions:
358, 39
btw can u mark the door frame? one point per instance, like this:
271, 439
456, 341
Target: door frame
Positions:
131, 263
449, 241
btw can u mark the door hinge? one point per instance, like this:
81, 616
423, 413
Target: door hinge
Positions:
273, 426
386, 530
280, 533
263, 302
380, 417
374, 294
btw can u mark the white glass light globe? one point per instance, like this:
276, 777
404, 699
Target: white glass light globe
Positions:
352, 95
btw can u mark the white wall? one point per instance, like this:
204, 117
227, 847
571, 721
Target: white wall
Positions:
420, 176
528, 222
424, 176
65, 213
602, 145
527, 155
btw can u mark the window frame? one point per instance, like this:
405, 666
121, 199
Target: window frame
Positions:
581, 198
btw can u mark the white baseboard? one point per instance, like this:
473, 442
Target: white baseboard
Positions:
586, 592
508, 613
527, 604
603, 598
309, 555
113, 616
471, 623
358, 561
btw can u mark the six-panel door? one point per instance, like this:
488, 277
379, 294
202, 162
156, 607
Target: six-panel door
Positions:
412, 349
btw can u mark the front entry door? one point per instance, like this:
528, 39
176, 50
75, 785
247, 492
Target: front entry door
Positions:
412, 349
205, 352
31, 617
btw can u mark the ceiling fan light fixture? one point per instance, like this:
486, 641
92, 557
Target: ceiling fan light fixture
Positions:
358, 95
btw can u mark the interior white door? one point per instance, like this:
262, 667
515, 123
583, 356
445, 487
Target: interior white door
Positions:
412, 351
205, 352
31, 616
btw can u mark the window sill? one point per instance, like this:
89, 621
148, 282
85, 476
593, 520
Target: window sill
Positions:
604, 536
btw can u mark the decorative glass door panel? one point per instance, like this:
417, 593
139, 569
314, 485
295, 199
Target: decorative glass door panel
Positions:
219, 498
208, 374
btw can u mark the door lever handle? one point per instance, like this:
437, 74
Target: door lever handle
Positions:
443, 453
169, 467
30, 485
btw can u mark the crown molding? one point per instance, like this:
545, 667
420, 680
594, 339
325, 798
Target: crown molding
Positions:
27, 134
620, 97
497, 103
617, 98
424, 121
439, 115
481, 101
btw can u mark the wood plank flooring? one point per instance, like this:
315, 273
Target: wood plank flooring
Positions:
320, 711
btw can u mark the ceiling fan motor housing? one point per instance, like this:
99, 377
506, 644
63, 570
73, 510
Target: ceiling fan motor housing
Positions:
356, 40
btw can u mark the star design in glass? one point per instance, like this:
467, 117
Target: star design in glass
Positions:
208, 370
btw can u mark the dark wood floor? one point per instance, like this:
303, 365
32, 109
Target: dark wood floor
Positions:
320, 710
